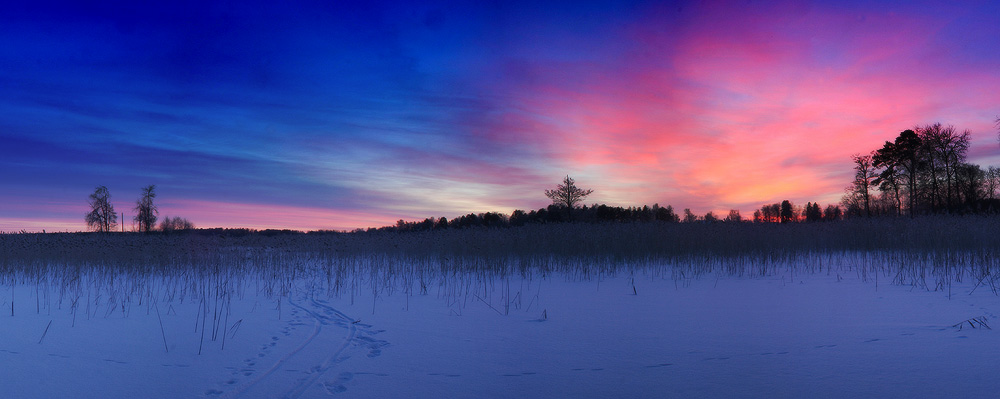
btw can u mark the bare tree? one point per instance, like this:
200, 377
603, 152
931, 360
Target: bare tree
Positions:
689, 217
864, 174
768, 213
567, 194
944, 150
102, 216
992, 182
733, 216
145, 209
175, 223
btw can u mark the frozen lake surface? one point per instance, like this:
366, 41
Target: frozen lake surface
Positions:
793, 331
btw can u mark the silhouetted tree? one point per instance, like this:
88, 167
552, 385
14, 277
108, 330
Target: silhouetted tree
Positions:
926, 165
493, 219
733, 216
832, 213
175, 223
666, 214
992, 182
887, 159
710, 217
645, 214
769, 213
812, 212
970, 183
102, 216
689, 217
944, 150
145, 209
567, 194
442, 223
860, 189
787, 211
907, 152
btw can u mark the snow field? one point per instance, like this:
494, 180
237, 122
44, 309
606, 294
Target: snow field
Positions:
825, 326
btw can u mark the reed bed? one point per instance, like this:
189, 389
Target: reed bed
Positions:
92, 273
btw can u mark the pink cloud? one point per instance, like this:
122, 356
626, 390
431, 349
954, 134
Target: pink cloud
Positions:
744, 106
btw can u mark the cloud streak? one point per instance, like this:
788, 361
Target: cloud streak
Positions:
316, 117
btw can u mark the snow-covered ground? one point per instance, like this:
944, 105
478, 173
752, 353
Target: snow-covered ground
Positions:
652, 333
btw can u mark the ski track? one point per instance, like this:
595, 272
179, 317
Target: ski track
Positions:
322, 315
318, 371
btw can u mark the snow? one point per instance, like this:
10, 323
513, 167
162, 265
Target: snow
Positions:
794, 332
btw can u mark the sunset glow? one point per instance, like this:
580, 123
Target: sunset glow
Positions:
307, 117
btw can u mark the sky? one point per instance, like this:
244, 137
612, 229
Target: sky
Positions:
316, 115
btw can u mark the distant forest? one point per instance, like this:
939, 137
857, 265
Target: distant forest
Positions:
922, 172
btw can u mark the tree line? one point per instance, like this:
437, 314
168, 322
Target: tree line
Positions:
103, 218
784, 212
566, 207
922, 171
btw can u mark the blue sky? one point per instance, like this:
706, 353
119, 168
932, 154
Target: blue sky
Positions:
318, 115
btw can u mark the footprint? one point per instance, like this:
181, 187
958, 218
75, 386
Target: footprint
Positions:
332, 389
213, 392
337, 386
